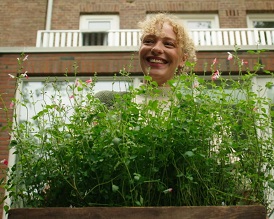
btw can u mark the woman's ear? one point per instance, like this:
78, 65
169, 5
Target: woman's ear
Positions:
184, 58
182, 63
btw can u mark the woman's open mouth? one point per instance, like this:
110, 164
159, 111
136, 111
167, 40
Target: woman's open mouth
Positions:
154, 60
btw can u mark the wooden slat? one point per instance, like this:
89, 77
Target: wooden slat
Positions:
45, 39
226, 38
231, 38
135, 39
63, 39
110, 39
57, 40
256, 37
243, 38
268, 38
212, 212
220, 38
262, 37
128, 39
202, 38
123, 39
75, 39
38, 39
250, 37
238, 37
51, 39
69, 39
214, 38
208, 38
196, 38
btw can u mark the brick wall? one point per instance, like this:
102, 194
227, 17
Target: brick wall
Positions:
57, 64
7, 92
20, 20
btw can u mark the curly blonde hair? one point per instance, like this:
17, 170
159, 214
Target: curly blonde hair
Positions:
149, 25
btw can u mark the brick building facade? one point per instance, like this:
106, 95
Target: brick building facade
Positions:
21, 19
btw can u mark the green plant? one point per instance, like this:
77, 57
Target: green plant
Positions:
208, 142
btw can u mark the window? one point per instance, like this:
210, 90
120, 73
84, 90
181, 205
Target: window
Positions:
58, 92
199, 25
198, 21
95, 28
260, 21
270, 94
265, 36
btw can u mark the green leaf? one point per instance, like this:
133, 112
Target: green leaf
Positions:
271, 185
116, 141
269, 85
6, 208
189, 153
13, 143
115, 188
147, 78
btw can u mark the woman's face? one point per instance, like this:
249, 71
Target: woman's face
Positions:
160, 55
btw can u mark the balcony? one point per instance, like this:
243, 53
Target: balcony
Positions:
203, 38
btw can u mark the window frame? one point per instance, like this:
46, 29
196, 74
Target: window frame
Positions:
97, 36
258, 17
113, 19
213, 18
184, 18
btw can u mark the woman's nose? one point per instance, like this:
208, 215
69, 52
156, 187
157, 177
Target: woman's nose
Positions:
157, 49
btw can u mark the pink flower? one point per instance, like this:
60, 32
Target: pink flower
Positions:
88, 81
215, 75
244, 62
230, 56
169, 190
76, 83
214, 61
11, 76
11, 105
71, 97
5, 161
26, 58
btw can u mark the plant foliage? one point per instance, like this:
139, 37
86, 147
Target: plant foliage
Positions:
209, 142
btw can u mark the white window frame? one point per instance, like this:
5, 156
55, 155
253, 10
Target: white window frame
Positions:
213, 18
258, 17
184, 18
114, 21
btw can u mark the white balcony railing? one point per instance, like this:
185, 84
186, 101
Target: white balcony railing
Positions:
131, 37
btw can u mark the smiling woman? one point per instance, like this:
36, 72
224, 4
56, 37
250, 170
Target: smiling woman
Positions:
165, 47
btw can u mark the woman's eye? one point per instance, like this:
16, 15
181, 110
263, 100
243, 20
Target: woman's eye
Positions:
148, 41
169, 44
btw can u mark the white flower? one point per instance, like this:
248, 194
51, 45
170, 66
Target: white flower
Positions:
11, 76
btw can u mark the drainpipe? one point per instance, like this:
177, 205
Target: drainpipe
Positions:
49, 13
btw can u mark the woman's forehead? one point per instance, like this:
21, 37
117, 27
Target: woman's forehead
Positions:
161, 30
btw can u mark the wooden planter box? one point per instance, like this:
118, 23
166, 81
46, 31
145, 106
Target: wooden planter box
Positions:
204, 212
